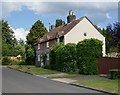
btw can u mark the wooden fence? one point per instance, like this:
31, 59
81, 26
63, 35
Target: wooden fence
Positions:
107, 63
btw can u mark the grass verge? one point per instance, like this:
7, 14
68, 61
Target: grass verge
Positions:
33, 69
101, 84
64, 76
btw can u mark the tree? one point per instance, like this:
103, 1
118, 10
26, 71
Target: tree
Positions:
8, 40
113, 40
30, 55
116, 36
20, 48
59, 22
37, 31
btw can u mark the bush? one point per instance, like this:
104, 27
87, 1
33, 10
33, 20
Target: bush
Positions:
88, 51
63, 57
53, 64
22, 62
30, 55
115, 73
6, 61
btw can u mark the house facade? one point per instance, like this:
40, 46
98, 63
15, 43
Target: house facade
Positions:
72, 32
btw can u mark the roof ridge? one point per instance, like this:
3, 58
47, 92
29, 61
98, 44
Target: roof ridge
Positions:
66, 28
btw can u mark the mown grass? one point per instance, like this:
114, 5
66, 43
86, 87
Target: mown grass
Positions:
64, 76
33, 69
102, 84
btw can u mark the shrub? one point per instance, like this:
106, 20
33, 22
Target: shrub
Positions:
115, 73
87, 52
63, 57
6, 61
22, 62
53, 64
30, 55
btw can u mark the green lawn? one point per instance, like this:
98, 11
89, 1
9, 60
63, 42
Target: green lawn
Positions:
33, 69
64, 76
102, 84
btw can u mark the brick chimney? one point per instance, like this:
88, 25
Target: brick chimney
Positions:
71, 16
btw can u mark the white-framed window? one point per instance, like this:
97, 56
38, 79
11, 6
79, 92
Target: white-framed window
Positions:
38, 57
47, 44
58, 40
48, 56
38, 46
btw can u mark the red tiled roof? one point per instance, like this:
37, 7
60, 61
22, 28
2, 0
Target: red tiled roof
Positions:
60, 31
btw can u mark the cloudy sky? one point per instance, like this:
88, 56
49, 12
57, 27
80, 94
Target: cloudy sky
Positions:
21, 15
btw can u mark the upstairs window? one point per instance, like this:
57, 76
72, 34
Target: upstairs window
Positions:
38, 46
47, 44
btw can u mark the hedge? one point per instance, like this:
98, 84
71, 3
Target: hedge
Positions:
88, 51
72, 57
63, 57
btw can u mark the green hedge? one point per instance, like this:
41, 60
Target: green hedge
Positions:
115, 73
72, 57
88, 51
63, 57
6, 61
53, 64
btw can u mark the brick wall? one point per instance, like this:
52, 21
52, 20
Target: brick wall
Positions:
43, 49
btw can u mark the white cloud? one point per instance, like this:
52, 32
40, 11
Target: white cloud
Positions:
20, 33
97, 11
43, 8
9, 7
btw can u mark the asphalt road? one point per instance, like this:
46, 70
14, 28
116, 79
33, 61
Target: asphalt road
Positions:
18, 82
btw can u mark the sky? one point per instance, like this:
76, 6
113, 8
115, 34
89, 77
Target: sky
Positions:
22, 14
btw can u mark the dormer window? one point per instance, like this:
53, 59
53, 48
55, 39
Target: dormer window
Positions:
47, 44
38, 46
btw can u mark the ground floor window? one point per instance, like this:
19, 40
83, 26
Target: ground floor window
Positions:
38, 57
48, 56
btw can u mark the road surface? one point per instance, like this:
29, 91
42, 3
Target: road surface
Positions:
18, 82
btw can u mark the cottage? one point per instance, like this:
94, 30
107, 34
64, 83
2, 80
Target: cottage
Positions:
72, 32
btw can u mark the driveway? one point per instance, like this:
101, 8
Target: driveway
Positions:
18, 82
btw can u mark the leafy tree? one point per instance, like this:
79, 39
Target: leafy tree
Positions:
116, 35
8, 40
113, 37
30, 55
37, 31
20, 48
59, 22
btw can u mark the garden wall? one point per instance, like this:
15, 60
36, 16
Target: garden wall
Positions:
107, 63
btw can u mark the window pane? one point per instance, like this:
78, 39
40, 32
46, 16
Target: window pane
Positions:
48, 56
38, 57
58, 40
38, 46
47, 44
